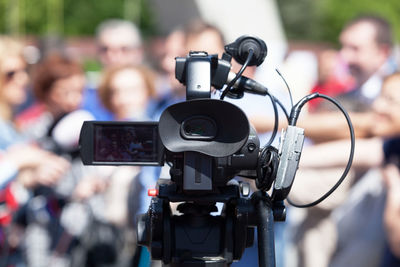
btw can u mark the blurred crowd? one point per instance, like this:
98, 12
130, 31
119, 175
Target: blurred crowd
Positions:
56, 211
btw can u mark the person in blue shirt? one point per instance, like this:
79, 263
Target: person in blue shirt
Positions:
13, 82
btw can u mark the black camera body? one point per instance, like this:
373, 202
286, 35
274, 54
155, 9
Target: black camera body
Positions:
207, 142
189, 134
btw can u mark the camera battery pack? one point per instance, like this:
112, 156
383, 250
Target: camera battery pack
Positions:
291, 145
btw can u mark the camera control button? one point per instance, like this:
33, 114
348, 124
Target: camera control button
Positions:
244, 189
251, 147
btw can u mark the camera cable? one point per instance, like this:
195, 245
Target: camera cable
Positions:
242, 69
295, 112
287, 86
266, 165
276, 119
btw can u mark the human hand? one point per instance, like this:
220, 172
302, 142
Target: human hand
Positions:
89, 186
25, 156
37, 166
51, 169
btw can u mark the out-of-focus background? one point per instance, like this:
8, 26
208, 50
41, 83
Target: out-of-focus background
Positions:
307, 25
66, 61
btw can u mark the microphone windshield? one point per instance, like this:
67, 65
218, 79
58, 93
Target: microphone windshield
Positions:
239, 50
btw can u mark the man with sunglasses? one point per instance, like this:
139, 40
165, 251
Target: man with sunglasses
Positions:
119, 43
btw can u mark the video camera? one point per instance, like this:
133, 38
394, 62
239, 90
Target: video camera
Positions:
206, 142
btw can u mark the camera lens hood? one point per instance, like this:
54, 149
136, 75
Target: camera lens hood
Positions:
209, 126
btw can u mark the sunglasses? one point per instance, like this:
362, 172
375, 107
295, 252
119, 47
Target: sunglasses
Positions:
123, 49
11, 74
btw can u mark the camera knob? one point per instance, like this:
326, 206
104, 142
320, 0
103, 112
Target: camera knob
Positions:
251, 147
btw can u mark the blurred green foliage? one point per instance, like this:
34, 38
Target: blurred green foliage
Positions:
322, 20
313, 20
82, 18
70, 17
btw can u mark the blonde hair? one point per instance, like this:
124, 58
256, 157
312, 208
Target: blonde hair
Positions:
9, 47
105, 85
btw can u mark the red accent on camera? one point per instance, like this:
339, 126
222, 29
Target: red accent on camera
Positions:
152, 192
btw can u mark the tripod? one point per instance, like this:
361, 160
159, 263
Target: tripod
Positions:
197, 238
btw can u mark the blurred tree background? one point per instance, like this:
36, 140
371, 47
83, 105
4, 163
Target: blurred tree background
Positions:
306, 20
322, 20
70, 17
